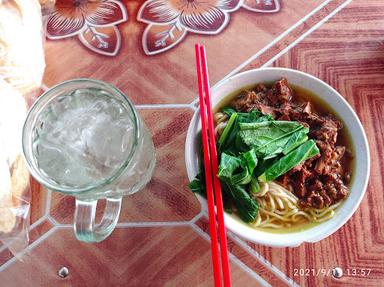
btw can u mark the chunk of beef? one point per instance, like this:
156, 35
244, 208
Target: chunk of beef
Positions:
309, 163
245, 100
339, 152
299, 189
249, 101
316, 186
327, 131
304, 124
329, 162
284, 180
298, 179
307, 108
284, 117
327, 200
341, 188
280, 93
283, 91
283, 110
265, 109
314, 120
334, 166
260, 88
347, 177
329, 178
315, 200
331, 191
326, 155
296, 168
294, 113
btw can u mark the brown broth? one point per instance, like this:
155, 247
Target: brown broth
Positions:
301, 95
344, 138
297, 227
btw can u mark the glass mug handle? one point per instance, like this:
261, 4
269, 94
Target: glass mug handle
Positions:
84, 222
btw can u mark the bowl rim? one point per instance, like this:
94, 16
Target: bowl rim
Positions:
267, 238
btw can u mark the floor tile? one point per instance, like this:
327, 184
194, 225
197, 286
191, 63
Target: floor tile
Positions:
34, 234
38, 202
243, 255
296, 34
130, 257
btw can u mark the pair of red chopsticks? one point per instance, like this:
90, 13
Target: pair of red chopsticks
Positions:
211, 171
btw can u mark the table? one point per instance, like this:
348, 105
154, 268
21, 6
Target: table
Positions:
161, 238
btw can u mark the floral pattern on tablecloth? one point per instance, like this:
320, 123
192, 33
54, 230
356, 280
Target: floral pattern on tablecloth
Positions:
169, 21
92, 21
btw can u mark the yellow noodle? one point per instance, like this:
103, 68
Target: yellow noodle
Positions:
275, 226
264, 187
324, 218
221, 121
220, 128
271, 203
279, 208
275, 215
322, 212
290, 204
258, 219
296, 216
220, 117
279, 203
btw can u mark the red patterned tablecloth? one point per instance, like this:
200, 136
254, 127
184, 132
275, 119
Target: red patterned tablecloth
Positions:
146, 49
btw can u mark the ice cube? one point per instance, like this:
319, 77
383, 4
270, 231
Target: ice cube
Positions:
84, 136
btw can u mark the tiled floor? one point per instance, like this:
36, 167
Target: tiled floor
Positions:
161, 239
130, 257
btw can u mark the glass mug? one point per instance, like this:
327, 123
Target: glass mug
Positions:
84, 138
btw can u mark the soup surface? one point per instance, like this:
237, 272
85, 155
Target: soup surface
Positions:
301, 97
286, 162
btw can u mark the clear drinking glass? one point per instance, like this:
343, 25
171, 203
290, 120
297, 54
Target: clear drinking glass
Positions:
84, 138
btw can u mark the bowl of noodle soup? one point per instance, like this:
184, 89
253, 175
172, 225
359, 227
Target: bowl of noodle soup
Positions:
281, 221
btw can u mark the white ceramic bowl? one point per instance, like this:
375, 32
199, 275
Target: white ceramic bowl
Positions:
344, 111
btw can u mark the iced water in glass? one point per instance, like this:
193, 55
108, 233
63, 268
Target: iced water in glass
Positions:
85, 138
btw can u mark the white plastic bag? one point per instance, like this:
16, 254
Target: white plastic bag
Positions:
21, 70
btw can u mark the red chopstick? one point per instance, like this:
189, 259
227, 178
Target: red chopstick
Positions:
211, 171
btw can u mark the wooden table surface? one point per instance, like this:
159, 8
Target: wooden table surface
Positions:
147, 52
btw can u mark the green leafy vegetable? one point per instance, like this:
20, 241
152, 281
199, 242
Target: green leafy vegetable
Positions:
237, 170
198, 184
228, 111
228, 165
254, 187
287, 162
242, 177
245, 205
229, 140
269, 139
295, 140
270, 129
262, 165
252, 116
245, 117
251, 160
227, 130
